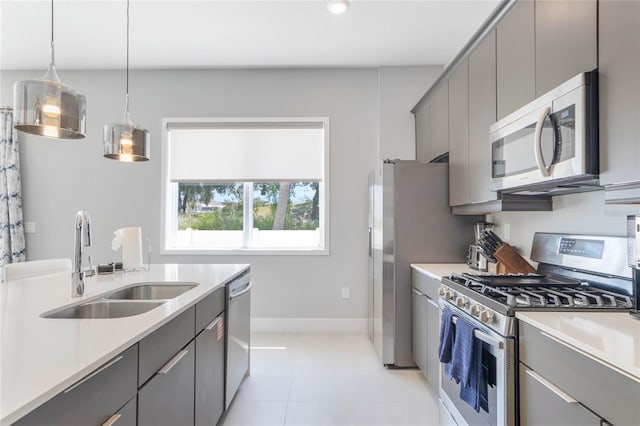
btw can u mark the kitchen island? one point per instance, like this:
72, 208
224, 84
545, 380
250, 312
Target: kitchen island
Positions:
41, 357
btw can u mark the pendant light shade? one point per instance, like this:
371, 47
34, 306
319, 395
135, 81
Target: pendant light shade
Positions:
48, 107
126, 141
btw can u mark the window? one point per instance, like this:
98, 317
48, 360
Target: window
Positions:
243, 185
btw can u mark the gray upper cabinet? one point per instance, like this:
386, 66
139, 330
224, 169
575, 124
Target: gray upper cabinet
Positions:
619, 68
566, 37
423, 132
439, 122
482, 113
515, 45
459, 135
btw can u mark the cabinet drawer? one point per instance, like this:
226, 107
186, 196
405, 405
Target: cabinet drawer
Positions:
606, 392
168, 398
209, 308
541, 403
93, 399
161, 345
426, 284
126, 416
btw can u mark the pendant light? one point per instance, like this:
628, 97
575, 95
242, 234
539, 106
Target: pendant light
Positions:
48, 107
126, 141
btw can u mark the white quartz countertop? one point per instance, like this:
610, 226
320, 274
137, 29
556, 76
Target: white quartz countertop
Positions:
613, 338
439, 270
41, 357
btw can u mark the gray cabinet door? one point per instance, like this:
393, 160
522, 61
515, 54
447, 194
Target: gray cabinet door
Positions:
167, 399
459, 135
482, 114
542, 403
126, 416
93, 399
566, 41
158, 347
433, 338
619, 68
210, 373
515, 59
423, 132
419, 329
439, 122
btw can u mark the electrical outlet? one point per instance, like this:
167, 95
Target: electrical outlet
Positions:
346, 293
29, 227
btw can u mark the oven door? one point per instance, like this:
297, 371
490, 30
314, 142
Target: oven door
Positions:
498, 406
546, 142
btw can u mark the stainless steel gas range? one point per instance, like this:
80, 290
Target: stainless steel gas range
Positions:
574, 272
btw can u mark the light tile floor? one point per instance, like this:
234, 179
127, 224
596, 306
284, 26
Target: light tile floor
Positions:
327, 380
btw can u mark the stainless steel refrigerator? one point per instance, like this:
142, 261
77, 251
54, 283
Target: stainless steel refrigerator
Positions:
409, 222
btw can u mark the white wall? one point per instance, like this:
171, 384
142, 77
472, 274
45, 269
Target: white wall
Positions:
61, 177
400, 89
584, 213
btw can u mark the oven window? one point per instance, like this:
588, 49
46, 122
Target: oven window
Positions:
488, 400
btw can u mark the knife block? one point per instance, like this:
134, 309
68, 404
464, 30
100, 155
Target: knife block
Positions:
510, 262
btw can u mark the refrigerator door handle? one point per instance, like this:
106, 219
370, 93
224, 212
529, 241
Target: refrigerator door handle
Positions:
370, 242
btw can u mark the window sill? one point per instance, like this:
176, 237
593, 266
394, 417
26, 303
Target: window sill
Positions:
245, 252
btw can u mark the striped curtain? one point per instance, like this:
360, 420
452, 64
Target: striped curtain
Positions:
12, 244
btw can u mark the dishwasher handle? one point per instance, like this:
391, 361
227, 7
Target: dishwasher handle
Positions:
247, 289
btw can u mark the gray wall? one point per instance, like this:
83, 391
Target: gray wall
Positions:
60, 177
584, 213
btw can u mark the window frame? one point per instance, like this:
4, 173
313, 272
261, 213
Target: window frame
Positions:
169, 197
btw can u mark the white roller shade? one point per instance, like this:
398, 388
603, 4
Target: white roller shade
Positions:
251, 153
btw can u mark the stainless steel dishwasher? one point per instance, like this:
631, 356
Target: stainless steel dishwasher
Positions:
238, 333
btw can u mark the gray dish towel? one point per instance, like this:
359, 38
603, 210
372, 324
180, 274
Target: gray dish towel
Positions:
447, 334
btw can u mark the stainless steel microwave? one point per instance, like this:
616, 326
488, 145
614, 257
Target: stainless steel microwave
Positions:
551, 144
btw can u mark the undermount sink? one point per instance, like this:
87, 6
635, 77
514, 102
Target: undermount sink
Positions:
152, 291
102, 309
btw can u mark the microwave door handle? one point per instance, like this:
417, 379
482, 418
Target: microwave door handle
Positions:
537, 142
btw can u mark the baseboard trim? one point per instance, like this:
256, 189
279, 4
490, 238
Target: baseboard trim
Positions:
309, 325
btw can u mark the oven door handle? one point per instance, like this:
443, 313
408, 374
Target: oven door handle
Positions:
537, 143
481, 335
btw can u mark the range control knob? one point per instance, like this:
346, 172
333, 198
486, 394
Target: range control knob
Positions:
441, 291
475, 310
449, 295
486, 316
461, 301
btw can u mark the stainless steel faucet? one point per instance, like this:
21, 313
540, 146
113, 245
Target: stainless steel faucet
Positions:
83, 237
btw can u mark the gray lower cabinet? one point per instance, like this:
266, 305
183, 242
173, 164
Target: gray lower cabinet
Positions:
543, 403
210, 359
426, 327
419, 329
433, 334
618, 69
126, 416
566, 35
94, 399
573, 381
459, 135
168, 397
515, 58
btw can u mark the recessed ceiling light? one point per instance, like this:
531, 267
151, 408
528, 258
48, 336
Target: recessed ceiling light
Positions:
338, 7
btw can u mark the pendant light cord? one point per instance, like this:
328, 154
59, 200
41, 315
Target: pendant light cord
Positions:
127, 115
128, 48
52, 48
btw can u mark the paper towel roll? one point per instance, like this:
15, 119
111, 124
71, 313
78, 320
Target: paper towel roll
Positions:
130, 239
